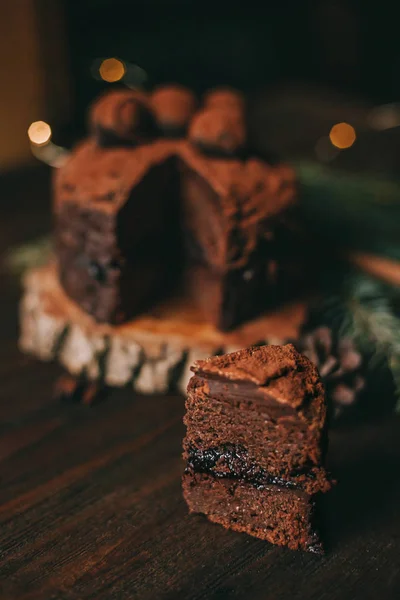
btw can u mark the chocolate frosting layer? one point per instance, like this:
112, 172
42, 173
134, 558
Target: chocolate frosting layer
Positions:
278, 374
251, 197
105, 177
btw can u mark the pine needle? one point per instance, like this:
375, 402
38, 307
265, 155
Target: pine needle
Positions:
353, 211
377, 328
364, 308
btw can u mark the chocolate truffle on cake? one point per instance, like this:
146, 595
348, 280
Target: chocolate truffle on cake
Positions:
224, 98
219, 132
122, 117
173, 106
255, 444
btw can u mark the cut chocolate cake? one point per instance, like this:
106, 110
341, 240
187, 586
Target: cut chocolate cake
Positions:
255, 444
141, 212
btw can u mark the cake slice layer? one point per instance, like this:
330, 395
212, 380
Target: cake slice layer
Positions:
278, 515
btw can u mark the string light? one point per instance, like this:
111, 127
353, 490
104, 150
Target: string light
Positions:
342, 135
111, 70
384, 117
39, 133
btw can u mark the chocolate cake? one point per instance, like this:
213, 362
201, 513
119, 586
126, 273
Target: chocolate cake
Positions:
141, 212
255, 444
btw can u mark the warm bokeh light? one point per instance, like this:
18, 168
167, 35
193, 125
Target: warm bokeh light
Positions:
112, 69
384, 117
342, 135
39, 133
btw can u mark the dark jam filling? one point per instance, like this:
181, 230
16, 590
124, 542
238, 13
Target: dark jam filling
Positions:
232, 460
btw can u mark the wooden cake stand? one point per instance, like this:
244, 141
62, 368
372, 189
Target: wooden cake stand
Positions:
153, 352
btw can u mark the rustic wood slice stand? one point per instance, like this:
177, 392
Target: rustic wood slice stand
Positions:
153, 352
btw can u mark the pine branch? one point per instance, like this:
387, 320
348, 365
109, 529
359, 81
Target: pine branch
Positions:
364, 308
352, 211
375, 324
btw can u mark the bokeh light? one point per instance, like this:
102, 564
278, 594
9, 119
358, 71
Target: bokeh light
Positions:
384, 117
342, 135
111, 70
39, 133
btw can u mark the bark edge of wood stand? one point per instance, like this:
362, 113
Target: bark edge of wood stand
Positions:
152, 353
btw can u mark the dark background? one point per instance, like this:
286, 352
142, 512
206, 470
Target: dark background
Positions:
306, 64
352, 46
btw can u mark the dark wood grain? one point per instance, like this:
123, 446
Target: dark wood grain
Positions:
90, 499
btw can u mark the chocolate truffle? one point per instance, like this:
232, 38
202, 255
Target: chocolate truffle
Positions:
255, 444
122, 117
218, 131
173, 106
224, 98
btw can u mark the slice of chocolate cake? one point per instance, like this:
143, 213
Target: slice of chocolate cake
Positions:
255, 444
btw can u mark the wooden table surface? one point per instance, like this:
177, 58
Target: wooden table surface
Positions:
90, 498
